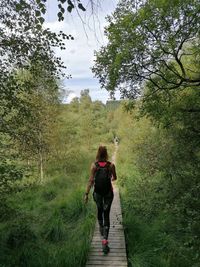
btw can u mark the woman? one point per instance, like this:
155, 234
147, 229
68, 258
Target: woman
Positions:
102, 173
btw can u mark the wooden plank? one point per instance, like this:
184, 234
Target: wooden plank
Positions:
117, 251
117, 256
105, 263
92, 265
119, 239
108, 258
112, 246
111, 255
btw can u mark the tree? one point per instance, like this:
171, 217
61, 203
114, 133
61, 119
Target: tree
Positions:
24, 44
33, 116
23, 38
35, 131
150, 42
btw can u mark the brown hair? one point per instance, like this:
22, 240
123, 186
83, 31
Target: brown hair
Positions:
102, 154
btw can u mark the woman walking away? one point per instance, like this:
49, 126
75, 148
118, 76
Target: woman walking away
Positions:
102, 173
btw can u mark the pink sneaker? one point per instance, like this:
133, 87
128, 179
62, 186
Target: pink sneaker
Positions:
105, 246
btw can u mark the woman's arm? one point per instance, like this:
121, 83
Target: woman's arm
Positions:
90, 181
113, 170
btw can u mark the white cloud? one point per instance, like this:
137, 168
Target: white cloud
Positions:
71, 96
79, 53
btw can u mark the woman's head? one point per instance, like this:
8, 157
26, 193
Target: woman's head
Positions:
102, 154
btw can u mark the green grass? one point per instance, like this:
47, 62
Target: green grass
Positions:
48, 225
149, 244
150, 233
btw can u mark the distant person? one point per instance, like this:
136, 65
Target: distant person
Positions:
102, 173
116, 140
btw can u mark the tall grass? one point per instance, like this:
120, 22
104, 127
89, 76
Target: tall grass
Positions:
150, 237
48, 225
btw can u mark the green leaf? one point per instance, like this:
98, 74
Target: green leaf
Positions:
41, 19
61, 18
43, 10
70, 3
37, 13
69, 9
81, 7
60, 14
18, 7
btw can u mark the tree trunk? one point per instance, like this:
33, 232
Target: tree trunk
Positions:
41, 167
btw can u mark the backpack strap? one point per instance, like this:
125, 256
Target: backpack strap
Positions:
97, 167
97, 164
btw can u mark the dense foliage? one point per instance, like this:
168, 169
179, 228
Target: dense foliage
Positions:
152, 41
29, 90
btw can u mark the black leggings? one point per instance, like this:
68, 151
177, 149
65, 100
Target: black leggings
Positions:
103, 208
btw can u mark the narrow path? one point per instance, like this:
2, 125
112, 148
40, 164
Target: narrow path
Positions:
117, 256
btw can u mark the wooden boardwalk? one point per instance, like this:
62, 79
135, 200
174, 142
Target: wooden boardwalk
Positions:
117, 255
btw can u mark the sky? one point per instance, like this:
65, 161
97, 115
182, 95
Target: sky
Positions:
88, 33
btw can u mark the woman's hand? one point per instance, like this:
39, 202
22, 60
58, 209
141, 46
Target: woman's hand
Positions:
114, 175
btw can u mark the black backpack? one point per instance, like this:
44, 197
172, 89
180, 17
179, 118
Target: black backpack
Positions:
102, 179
